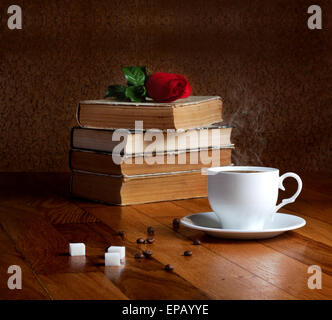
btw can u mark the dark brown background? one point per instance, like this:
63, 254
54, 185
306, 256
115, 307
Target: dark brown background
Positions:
271, 70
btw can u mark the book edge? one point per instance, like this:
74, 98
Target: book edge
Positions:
175, 152
137, 176
176, 103
215, 125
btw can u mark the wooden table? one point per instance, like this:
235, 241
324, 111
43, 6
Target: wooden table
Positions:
38, 219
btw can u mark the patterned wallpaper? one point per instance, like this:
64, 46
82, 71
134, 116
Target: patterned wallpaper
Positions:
273, 73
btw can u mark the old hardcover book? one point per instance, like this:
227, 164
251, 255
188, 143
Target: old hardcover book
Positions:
126, 190
123, 141
107, 163
194, 111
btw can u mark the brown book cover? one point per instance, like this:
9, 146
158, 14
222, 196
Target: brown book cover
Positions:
192, 112
125, 141
127, 190
99, 162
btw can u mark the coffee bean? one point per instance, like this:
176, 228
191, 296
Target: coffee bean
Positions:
169, 267
150, 231
196, 242
149, 240
139, 255
176, 223
187, 253
121, 234
147, 253
140, 240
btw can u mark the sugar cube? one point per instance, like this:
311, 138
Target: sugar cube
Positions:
77, 249
121, 250
112, 259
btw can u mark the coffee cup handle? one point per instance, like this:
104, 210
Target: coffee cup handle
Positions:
281, 186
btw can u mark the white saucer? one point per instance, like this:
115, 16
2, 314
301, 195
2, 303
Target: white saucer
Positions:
209, 223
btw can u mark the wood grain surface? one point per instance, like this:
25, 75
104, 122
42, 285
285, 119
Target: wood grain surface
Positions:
38, 219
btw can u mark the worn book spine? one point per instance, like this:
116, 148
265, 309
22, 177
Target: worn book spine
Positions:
128, 190
108, 163
111, 115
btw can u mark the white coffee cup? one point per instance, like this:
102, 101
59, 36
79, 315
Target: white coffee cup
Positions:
246, 200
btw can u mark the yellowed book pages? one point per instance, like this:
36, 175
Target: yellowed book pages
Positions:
121, 190
191, 112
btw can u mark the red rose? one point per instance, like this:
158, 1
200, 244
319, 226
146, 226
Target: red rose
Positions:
167, 87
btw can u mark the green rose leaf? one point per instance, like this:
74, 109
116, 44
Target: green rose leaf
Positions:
116, 91
136, 93
144, 69
135, 76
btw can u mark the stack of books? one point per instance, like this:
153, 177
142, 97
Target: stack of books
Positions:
127, 153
